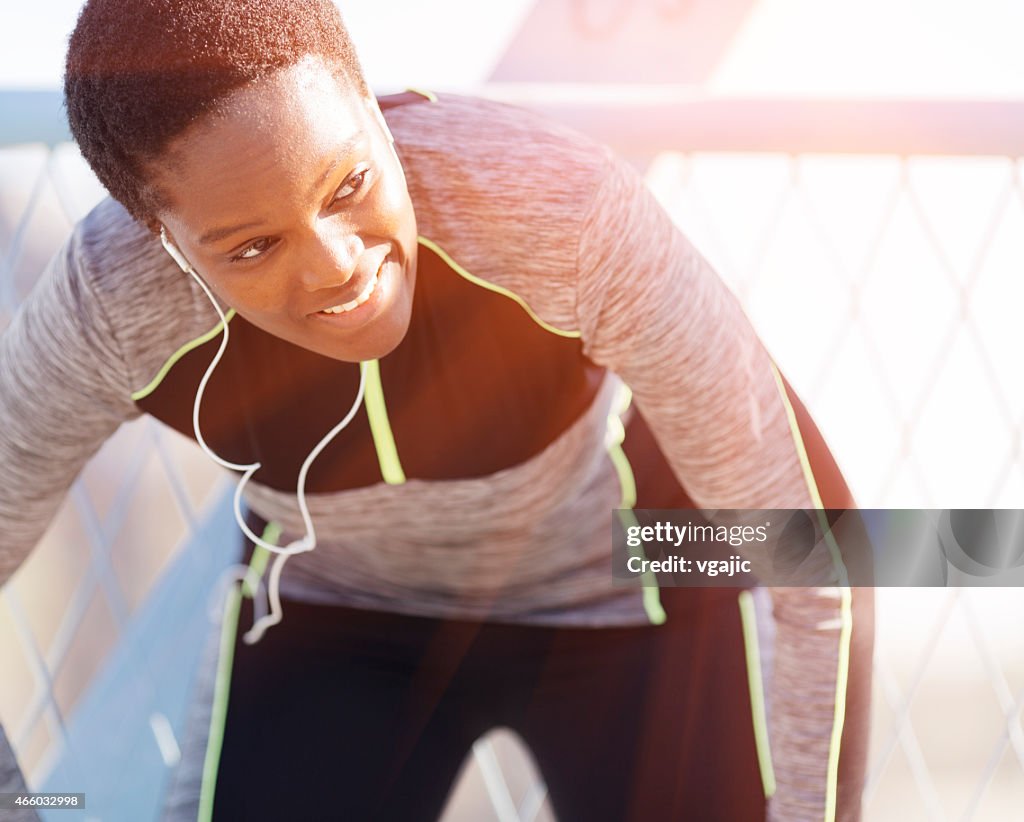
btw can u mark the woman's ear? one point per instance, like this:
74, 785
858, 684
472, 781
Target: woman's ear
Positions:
174, 251
379, 115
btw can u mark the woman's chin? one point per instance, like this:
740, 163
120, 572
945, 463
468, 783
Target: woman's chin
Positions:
371, 330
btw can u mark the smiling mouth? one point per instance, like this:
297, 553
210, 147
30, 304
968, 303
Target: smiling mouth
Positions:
359, 300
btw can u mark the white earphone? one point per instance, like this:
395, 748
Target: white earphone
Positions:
305, 543
379, 115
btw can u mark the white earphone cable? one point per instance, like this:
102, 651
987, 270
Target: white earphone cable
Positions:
305, 543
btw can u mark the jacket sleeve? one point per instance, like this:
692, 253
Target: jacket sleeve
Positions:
651, 309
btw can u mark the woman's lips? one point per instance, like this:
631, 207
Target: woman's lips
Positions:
367, 304
363, 296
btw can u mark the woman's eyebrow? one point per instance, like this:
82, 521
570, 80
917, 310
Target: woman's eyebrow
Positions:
215, 234
342, 153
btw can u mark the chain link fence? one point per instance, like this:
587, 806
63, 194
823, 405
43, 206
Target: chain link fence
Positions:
887, 285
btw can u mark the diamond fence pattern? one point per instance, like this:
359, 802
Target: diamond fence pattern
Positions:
888, 286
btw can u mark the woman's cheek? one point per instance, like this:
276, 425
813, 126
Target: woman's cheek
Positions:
392, 206
255, 296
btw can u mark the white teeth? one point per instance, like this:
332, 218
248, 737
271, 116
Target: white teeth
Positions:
362, 298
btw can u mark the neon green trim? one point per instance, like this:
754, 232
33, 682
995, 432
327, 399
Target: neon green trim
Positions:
622, 403
845, 606
261, 556
380, 426
497, 289
748, 618
142, 393
625, 472
220, 704
798, 441
651, 595
423, 93
222, 684
627, 482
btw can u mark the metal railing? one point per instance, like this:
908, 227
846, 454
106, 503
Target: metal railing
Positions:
836, 226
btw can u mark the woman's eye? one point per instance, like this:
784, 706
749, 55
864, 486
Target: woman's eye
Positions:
255, 249
351, 185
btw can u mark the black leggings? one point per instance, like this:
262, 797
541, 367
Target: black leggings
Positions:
346, 714
339, 713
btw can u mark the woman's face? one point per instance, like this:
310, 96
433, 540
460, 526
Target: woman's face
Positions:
292, 206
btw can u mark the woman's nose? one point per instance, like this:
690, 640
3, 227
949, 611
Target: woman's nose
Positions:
331, 261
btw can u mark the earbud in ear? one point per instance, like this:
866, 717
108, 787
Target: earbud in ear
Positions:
175, 252
380, 119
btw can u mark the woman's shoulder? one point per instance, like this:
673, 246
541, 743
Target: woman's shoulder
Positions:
503, 190
449, 121
134, 288
494, 148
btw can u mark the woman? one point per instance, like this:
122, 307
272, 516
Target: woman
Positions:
424, 313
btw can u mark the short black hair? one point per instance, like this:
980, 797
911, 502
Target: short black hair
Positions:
139, 72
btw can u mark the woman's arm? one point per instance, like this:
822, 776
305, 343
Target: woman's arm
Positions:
63, 391
651, 309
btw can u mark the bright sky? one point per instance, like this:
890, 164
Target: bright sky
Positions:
786, 47
878, 48
398, 40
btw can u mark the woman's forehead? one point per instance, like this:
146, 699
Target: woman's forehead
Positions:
291, 119
281, 138
306, 97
